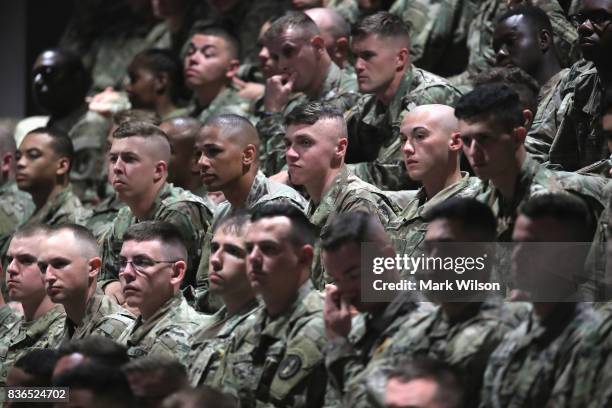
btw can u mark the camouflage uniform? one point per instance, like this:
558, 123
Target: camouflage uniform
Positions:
103, 317
347, 193
408, 230
339, 87
227, 101
44, 332
438, 33
481, 26
103, 216
191, 214
346, 358
63, 208
8, 318
209, 343
16, 207
278, 361
373, 128
166, 332
464, 342
525, 369
568, 130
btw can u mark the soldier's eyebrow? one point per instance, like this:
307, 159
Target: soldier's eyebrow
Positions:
206, 47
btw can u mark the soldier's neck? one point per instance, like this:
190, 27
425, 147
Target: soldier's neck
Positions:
238, 192
35, 310
505, 182
318, 188
549, 68
316, 87
386, 96
604, 70
206, 94
164, 106
46, 193
75, 309
141, 206
438, 182
237, 301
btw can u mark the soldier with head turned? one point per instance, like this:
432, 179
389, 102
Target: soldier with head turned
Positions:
152, 265
316, 143
69, 262
381, 45
138, 170
306, 73
279, 359
228, 150
336, 33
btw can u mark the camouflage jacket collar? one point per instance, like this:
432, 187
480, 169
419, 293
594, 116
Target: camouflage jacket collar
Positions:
52, 207
223, 324
388, 114
563, 316
419, 205
31, 332
142, 327
330, 197
332, 84
277, 327
589, 91
97, 307
259, 188
8, 187
401, 306
164, 192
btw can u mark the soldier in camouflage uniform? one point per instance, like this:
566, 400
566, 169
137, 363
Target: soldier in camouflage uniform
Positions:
306, 74
460, 333
43, 322
481, 22
492, 129
278, 361
228, 150
210, 63
569, 129
138, 162
527, 367
381, 45
432, 148
316, 143
15, 205
229, 281
44, 160
70, 263
353, 344
152, 265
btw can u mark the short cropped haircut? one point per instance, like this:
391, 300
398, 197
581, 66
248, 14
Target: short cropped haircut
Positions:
496, 103
235, 224
292, 20
168, 234
309, 113
568, 209
138, 128
303, 232
450, 388
82, 235
202, 396
231, 121
108, 384
520, 81
233, 46
38, 363
31, 230
536, 17
136, 115
97, 348
476, 218
158, 61
384, 25
171, 370
353, 227
60, 141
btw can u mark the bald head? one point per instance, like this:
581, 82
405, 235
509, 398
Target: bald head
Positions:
181, 129
329, 22
236, 129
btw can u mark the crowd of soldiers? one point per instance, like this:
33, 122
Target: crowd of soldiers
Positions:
191, 223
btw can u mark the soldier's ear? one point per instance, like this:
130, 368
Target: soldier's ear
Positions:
7, 161
318, 43
528, 116
306, 255
455, 143
341, 147
178, 273
545, 40
249, 154
63, 166
94, 267
161, 83
402, 59
342, 50
160, 170
233, 68
519, 133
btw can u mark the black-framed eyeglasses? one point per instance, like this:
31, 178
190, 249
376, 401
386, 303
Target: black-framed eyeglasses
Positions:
599, 18
141, 263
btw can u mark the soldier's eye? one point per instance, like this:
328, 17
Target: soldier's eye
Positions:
142, 262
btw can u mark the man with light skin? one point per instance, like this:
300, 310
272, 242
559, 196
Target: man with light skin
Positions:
304, 67
381, 43
431, 150
152, 265
138, 169
316, 142
43, 321
183, 170
228, 279
69, 263
336, 32
210, 64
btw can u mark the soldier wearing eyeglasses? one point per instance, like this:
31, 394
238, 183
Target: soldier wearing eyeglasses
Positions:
576, 114
152, 265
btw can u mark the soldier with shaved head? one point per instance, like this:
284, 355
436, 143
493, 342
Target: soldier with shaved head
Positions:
431, 150
336, 32
228, 151
138, 170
